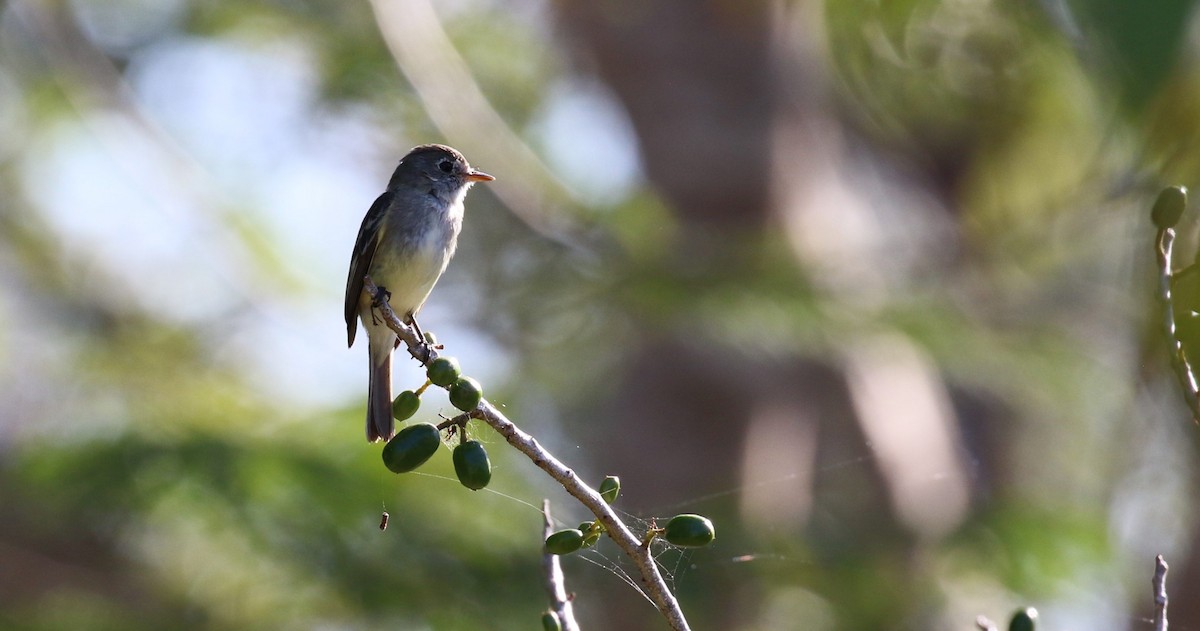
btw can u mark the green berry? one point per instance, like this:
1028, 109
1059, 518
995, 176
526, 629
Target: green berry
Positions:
550, 622
465, 394
610, 488
1169, 206
430, 338
406, 404
411, 447
471, 465
564, 541
689, 531
443, 371
1024, 620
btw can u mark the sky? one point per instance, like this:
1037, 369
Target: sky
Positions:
226, 159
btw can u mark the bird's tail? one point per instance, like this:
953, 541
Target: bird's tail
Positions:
380, 423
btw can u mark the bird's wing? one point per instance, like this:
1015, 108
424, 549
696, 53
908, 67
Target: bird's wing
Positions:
360, 262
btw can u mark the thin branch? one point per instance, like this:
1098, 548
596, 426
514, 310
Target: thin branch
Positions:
459, 109
651, 579
556, 588
1159, 582
1166, 279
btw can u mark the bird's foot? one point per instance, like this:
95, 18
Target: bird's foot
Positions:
382, 296
422, 353
427, 345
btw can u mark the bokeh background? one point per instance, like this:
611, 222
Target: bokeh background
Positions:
868, 282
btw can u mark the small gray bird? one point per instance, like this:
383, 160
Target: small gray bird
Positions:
405, 242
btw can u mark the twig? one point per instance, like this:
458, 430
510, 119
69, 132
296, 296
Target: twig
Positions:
1159, 582
651, 579
556, 588
459, 109
1179, 360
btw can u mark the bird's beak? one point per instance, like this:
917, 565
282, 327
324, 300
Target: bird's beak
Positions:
475, 175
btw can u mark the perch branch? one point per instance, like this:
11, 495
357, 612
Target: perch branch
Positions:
556, 588
652, 582
1159, 582
1179, 360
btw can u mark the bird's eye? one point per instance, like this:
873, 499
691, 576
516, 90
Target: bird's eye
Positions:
446, 166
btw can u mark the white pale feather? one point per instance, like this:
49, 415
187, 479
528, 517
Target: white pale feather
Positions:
410, 281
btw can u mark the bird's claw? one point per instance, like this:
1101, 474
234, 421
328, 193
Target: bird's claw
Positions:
381, 296
422, 353
378, 299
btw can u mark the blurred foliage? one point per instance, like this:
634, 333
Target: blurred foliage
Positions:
168, 465
1143, 45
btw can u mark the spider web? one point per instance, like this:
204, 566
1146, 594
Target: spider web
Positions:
674, 562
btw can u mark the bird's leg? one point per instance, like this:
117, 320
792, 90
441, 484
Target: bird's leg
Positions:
426, 339
425, 346
381, 296
413, 321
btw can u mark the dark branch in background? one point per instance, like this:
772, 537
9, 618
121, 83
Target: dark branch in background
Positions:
1159, 582
560, 602
651, 580
456, 105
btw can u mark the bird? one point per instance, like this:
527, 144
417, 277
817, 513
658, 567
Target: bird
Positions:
406, 240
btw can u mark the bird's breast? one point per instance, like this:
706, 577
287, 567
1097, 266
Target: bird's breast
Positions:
413, 252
